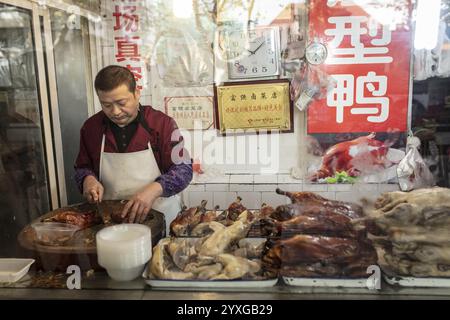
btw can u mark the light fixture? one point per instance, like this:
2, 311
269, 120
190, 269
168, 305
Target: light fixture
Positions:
427, 24
182, 8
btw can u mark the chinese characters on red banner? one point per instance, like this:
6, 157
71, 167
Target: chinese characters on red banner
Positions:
127, 38
368, 66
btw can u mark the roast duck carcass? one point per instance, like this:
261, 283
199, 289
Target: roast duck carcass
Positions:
415, 237
361, 155
187, 219
310, 213
317, 256
81, 219
317, 237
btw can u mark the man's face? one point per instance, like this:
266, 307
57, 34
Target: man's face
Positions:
120, 105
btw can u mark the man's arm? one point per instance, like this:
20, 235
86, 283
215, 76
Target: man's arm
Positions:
85, 177
176, 179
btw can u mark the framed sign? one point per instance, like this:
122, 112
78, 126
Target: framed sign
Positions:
254, 105
191, 111
366, 60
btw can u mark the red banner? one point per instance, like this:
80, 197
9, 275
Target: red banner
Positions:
367, 67
126, 30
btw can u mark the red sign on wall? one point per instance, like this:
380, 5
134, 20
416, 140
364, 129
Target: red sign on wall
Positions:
367, 65
126, 31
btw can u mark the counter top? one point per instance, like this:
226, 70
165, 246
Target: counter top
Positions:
100, 286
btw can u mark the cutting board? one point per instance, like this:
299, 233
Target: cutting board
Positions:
81, 248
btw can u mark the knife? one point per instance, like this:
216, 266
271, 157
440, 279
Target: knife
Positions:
104, 214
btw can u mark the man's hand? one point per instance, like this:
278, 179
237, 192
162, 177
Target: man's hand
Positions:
92, 189
137, 209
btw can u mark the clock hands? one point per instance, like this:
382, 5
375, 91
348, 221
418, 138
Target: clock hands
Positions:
253, 52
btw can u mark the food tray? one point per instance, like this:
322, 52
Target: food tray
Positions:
12, 270
417, 282
326, 282
159, 283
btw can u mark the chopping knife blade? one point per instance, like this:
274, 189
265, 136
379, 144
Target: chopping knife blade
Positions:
103, 213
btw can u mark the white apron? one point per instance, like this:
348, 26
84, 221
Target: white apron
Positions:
123, 174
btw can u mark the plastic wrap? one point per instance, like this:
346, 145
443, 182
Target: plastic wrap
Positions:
412, 171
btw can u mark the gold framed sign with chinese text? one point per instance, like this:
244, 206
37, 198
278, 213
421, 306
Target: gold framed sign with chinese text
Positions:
191, 112
254, 105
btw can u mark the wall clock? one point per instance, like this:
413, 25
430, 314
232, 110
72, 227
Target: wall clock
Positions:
253, 53
316, 53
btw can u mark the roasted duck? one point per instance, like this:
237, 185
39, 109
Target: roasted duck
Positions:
304, 255
330, 224
361, 155
311, 202
187, 219
235, 209
81, 219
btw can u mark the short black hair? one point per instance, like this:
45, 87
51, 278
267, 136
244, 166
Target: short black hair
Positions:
112, 76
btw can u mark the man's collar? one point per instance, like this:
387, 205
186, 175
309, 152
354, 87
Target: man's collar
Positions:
138, 118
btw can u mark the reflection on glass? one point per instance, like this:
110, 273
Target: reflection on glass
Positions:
23, 181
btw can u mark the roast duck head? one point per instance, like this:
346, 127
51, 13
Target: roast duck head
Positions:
187, 219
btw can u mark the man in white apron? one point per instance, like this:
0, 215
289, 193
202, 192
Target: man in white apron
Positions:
132, 152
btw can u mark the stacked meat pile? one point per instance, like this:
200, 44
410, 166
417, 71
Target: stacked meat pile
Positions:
224, 254
316, 238
414, 232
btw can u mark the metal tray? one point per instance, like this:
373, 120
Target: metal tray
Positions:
417, 282
326, 282
161, 283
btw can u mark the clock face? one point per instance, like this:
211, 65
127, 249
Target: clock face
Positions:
254, 53
316, 53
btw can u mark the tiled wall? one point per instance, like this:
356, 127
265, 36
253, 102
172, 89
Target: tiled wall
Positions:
256, 190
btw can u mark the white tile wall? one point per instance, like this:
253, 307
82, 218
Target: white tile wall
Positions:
340, 187
265, 179
274, 199
265, 187
291, 187
224, 199
238, 178
254, 191
347, 196
315, 187
286, 178
195, 188
219, 179
217, 187
388, 187
195, 199
241, 187
366, 187
251, 200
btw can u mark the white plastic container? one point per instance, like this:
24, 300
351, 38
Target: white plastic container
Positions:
12, 270
123, 250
